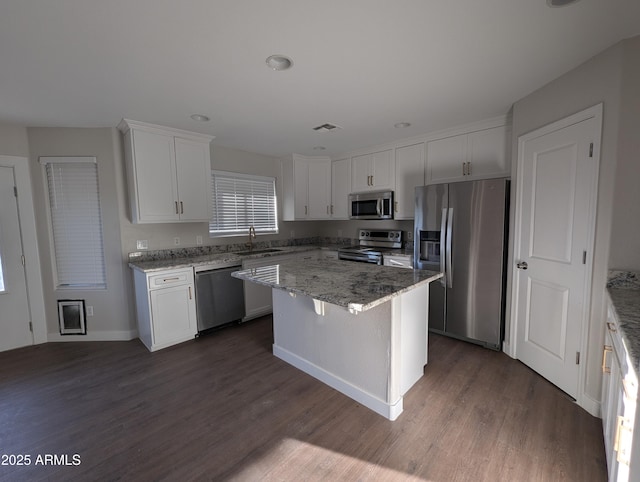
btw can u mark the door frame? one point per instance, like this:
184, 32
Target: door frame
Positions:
595, 112
26, 213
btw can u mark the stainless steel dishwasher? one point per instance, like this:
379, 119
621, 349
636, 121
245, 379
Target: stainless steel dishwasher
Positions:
219, 297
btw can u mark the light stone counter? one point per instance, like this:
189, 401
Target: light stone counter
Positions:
355, 286
214, 259
624, 290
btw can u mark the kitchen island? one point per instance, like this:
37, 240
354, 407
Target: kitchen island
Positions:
360, 328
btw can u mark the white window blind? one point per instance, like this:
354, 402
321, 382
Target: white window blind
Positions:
76, 222
240, 201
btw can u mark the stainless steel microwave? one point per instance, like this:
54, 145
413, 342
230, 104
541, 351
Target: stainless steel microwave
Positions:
371, 205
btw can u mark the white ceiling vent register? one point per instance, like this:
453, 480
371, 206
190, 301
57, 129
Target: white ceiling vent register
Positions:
326, 127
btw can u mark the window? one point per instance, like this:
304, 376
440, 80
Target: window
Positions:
76, 223
240, 201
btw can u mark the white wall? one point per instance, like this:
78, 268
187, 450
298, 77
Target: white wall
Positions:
597, 80
112, 316
625, 231
13, 140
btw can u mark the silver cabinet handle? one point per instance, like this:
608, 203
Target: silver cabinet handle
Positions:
305, 210
522, 265
464, 168
469, 168
443, 240
449, 259
181, 208
176, 207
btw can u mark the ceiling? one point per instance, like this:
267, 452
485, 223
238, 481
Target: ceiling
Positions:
364, 65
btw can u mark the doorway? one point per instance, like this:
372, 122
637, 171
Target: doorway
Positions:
554, 237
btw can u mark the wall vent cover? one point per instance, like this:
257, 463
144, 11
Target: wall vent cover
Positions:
326, 127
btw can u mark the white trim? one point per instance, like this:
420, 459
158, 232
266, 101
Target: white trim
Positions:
252, 177
124, 335
594, 112
387, 410
126, 124
52, 159
490, 123
26, 211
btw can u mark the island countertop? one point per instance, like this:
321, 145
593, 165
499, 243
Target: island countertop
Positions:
355, 286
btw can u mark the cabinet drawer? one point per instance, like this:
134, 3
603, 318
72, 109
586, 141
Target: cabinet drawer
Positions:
170, 278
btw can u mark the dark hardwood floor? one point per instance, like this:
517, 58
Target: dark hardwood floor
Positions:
222, 407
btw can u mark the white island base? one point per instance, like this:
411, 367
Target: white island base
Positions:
374, 356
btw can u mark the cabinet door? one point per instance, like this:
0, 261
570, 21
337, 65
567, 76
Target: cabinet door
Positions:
301, 189
173, 314
154, 172
193, 167
382, 171
445, 159
340, 188
319, 185
360, 173
487, 153
409, 174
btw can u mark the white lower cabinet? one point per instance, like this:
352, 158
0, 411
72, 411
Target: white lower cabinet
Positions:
165, 306
618, 404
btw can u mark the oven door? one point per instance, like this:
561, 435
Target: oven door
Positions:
378, 205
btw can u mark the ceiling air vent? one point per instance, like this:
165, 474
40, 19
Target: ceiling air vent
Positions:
326, 127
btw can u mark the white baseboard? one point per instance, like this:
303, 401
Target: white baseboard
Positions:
387, 410
590, 405
95, 336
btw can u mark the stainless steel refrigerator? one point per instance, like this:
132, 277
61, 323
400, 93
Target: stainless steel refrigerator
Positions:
461, 229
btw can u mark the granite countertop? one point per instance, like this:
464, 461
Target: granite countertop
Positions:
624, 291
216, 259
355, 286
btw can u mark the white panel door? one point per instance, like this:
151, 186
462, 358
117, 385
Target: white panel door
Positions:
445, 159
319, 189
155, 177
555, 209
193, 166
340, 188
14, 305
409, 174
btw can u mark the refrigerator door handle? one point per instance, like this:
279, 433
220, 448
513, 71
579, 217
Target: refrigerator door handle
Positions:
443, 231
449, 266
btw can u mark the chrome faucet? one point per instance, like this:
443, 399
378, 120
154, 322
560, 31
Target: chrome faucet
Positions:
252, 234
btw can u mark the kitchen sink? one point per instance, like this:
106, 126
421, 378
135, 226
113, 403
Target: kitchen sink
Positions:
259, 251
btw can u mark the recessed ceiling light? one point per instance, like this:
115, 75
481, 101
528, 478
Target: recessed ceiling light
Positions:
319, 148
279, 62
200, 117
560, 3
401, 125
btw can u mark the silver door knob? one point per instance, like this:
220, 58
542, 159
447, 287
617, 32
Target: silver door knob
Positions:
522, 265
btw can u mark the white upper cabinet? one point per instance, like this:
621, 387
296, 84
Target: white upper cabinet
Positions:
476, 155
306, 189
340, 188
168, 173
373, 172
410, 161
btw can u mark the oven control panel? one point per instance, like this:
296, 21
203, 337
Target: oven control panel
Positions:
386, 235
380, 238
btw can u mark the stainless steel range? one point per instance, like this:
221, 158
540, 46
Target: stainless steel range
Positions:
372, 244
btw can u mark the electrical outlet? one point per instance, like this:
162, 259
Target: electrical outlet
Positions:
142, 244
199, 240
89, 310
409, 235
176, 241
